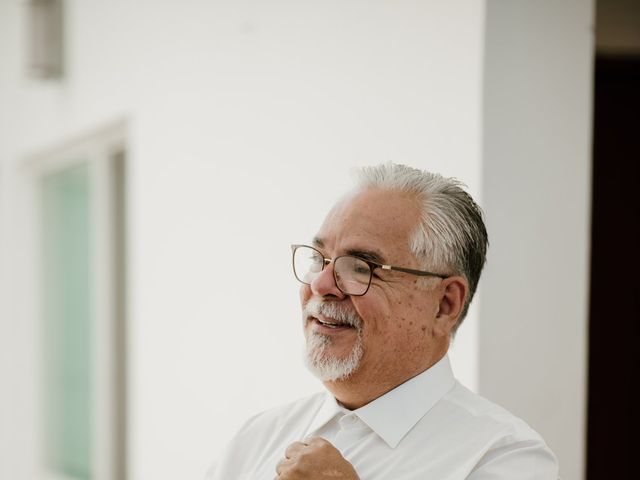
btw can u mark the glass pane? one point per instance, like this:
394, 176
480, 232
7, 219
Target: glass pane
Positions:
67, 322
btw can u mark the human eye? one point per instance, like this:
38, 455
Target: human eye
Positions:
361, 268
315, 259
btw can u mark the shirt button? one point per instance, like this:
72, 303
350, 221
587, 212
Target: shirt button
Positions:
350, 419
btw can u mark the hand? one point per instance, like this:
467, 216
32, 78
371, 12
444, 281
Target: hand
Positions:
314, 459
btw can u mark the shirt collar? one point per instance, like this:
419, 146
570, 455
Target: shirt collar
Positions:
329, 409
392, 415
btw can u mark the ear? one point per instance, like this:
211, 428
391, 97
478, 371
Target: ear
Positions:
453, 292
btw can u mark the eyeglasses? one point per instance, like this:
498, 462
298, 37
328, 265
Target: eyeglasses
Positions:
352, 274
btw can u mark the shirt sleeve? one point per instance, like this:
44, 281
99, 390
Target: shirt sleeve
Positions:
524, 460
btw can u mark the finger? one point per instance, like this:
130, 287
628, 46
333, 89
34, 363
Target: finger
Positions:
281, 466
317, 441
293, 449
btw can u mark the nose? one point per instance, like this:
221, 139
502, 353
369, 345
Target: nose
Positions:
324, 284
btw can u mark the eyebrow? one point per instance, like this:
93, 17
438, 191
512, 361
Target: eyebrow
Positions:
364, 254
367, 255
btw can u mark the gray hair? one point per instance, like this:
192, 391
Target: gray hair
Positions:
451, 237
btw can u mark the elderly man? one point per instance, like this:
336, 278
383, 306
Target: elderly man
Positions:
386, 282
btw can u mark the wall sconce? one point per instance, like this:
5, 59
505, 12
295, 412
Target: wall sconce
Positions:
45, 30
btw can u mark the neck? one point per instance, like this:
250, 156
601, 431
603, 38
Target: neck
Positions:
367, 384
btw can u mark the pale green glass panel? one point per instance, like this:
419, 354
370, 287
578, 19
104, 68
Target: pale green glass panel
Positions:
67, 322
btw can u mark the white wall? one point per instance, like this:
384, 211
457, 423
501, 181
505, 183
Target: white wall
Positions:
244, 118
536, 192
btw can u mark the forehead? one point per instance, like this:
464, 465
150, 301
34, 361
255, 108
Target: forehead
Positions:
373, 219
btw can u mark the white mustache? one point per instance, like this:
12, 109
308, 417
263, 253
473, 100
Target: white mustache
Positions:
334, 310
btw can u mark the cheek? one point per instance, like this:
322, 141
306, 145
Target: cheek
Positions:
304, 294
414, 316
402, 319
375, 314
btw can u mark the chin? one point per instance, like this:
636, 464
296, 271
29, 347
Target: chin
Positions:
325, 365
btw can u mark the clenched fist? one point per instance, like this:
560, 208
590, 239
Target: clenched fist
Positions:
314, 459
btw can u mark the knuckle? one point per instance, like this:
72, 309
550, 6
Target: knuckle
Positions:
295, 470
281, 466
324, 447
304, 455
321, 442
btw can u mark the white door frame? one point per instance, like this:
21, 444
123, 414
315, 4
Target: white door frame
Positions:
97, 150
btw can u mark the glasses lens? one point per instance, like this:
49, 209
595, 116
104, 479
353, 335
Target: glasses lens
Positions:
307, 263
353, 275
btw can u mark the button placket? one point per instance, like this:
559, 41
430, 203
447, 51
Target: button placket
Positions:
352, 430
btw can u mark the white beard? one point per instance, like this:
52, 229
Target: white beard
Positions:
318, 357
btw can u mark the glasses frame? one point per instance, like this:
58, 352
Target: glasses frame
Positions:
372, 266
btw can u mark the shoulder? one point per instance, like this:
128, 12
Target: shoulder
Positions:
507, 443
478, 411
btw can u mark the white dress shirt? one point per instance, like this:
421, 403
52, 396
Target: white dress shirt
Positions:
430, 427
